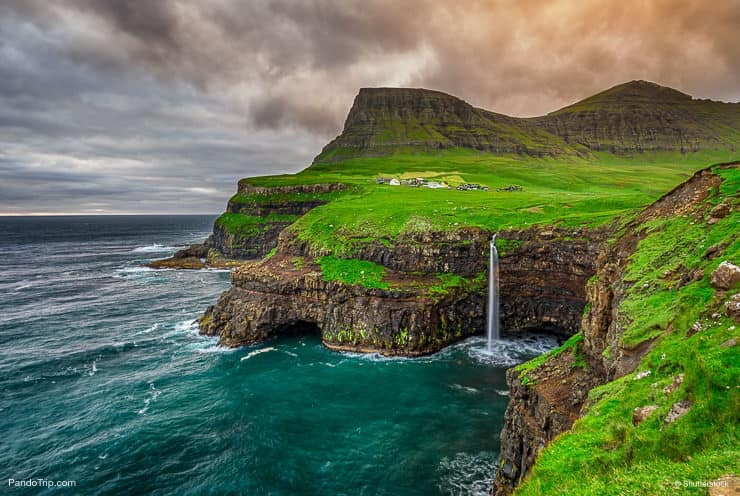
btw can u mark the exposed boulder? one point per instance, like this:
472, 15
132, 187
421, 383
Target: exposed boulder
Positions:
720, 212
678, 410
732, 308
677, 381
727, 485
725, 276
715, 250
641, 413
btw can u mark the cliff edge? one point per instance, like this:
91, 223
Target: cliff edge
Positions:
654, 365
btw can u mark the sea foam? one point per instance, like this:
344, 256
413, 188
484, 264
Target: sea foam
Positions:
154, 248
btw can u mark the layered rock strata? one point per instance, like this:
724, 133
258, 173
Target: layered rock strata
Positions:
543, 275
277, 296
272, 209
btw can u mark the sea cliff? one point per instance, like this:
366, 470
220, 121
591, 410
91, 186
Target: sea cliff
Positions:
608, 237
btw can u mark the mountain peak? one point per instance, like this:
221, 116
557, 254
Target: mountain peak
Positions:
383, 121
637, 91
632, 117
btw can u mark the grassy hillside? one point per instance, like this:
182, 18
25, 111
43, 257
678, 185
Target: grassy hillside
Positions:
605, 453
633, 117
642, 116
576, 191
585, 164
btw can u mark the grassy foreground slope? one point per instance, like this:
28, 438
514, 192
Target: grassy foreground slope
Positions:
605, 453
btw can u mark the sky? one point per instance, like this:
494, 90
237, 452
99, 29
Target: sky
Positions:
140, 106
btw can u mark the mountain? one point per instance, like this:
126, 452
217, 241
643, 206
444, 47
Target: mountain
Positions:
633, 117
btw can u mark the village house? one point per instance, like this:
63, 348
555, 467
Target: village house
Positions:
511, 188
436, 185
469, 187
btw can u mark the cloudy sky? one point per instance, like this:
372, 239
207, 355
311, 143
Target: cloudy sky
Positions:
111, 106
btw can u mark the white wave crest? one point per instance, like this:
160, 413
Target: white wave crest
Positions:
152, 397
256, 352
507, 352
465, 473
465, 389
154, 248
148, 329
132, 271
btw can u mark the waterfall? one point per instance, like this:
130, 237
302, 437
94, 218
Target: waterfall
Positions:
493, 303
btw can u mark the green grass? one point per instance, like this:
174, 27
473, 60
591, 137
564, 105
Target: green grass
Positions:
250, 225
280, 198
674, 247
565, 191
572, 344
449, 281
604, 453
504, 246
351, 271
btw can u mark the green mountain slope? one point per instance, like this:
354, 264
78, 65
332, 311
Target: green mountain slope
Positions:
633, 117
640, 116
584, 165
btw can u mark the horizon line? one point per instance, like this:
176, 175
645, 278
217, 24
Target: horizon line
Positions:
98, 214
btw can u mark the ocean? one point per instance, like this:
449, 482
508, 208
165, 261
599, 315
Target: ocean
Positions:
106, 383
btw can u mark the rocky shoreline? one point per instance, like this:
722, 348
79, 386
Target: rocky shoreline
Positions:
196, 257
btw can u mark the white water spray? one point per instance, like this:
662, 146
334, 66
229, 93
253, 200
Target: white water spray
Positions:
493, 300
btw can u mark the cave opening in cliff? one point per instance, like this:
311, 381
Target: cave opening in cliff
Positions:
550, 328
298, 328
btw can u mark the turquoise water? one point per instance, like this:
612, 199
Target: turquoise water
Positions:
106, 382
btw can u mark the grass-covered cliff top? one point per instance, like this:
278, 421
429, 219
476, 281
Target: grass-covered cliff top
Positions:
575, 191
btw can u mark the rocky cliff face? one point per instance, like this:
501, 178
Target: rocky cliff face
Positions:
383, 119
253, 221
279, 296
546, 400
246, 246
543, 275
630, 118
273, 208
640, 117
462, 251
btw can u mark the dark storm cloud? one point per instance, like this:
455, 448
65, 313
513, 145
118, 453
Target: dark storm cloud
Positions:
113, 105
